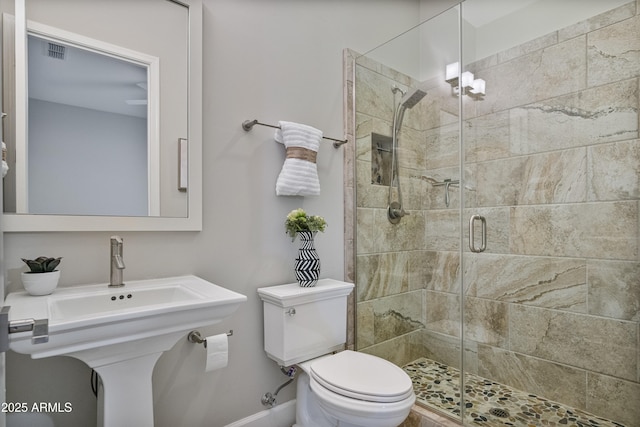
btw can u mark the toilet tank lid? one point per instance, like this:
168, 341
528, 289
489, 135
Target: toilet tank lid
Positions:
294, 294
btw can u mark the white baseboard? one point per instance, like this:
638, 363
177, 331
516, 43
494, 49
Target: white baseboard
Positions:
283, 415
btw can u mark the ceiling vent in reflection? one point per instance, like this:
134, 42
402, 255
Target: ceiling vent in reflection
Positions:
56, 51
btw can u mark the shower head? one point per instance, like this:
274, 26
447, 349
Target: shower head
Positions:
412, 97
408, 101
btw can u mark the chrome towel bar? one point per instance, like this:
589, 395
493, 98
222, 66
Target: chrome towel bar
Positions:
248, 124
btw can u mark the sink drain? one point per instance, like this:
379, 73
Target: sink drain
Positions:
502, 413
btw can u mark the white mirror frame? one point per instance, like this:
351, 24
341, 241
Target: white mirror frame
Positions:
193, 222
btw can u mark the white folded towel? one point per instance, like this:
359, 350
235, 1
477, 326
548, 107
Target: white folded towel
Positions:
299, 174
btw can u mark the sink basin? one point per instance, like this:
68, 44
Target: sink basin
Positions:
121, 332
82, 318
103, 302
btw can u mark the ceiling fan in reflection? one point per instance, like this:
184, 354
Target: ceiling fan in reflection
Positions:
141, 85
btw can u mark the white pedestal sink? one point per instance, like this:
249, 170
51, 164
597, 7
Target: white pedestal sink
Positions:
121, 332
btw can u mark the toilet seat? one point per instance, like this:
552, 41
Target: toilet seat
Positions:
362, 376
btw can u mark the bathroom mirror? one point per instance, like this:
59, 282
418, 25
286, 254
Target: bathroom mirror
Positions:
124, 130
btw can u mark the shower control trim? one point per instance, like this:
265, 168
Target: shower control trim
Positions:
395, 212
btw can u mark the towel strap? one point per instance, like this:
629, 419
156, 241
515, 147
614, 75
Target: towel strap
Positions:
301, 153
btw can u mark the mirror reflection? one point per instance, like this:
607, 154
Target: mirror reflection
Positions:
105, 112
87, 118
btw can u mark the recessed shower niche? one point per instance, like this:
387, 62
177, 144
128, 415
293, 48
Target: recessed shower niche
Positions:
381, 157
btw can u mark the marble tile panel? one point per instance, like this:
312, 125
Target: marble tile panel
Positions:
406, 235
613, 52
443, 271
487, 137
411, 148
364, 325
483, 63
383, 70
443, 313
368, 194
445, 349
397, 315
371, 98
486, 321
596, 22
606, 230
365, 126
382, 275
351, 321
442, 146
552, 380
365, 233
349, 213
441, 106
553, 71
442, 230
470, 185
582, 341
558, 283
348, 64
614, 398
614, 171
412, 420
557, 177
594, 116
413, 189
531, 46
395, 350
614, 289
419, 269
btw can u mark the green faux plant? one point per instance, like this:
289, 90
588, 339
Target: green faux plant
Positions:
42, 264
298, 220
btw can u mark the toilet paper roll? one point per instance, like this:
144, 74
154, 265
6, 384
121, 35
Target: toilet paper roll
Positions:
217, 352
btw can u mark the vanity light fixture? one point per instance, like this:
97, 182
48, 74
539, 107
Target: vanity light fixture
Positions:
477, 90
465, 82
451, 73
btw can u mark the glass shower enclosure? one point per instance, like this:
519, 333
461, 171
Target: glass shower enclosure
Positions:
509, 287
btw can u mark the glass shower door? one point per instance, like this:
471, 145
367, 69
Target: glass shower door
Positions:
407, 271
550, 160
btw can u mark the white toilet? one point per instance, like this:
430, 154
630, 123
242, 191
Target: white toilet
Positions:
304, 326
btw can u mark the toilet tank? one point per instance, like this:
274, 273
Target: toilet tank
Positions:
303, 323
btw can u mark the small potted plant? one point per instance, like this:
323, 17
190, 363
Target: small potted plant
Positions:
307, 265
42, 277
298, 221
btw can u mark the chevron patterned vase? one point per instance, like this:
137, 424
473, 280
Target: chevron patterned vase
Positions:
307, 265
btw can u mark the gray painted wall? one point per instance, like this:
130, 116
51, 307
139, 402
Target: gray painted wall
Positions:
275, 60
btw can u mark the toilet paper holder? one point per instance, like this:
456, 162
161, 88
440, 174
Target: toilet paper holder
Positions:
196, 338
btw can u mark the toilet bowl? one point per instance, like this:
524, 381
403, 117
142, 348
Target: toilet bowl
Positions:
352, 389
306, 327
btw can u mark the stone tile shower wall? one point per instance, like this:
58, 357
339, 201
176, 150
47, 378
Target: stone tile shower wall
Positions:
552, 160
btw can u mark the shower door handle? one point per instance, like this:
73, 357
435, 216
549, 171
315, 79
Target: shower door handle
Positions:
472, 232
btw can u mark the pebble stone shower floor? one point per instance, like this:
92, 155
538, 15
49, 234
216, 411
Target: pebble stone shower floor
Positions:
491, 404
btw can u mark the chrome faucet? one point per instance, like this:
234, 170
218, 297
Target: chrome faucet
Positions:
117, 262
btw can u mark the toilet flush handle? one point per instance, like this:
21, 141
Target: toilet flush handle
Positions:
291, 311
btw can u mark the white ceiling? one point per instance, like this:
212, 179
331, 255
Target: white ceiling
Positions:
86, 79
